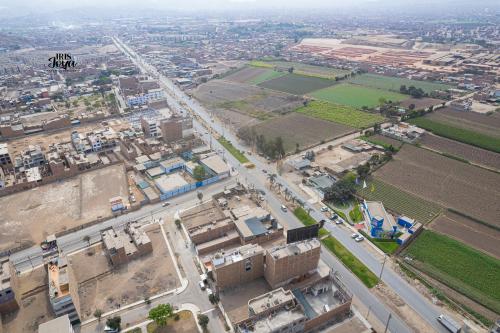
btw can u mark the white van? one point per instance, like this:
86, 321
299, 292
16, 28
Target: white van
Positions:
283, 208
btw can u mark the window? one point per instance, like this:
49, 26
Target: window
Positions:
248, 265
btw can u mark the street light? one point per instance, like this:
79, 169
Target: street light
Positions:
383, 265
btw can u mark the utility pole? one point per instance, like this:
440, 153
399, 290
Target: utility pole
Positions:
382, 270
387, 325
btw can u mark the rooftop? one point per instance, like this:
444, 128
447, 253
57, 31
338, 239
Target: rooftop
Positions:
170, 182
58, 278
60, 324
238, 254
294, 248
216, 164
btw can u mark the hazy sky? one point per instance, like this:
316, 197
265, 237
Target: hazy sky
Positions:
9, 7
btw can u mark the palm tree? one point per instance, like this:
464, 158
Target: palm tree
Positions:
287, 192
272, 179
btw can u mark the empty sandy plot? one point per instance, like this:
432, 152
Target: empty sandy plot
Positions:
30, 216
299, 129
235, 301
103, 287
34, 304
450, 183
222, 96
246, 74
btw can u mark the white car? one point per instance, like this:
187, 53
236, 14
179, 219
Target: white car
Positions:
339, 221
354, 236
324, 209
202, 285
359, 239
283, 208
209, 291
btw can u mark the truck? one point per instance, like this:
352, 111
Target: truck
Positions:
449, 323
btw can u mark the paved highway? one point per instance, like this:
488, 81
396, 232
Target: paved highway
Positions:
255, 177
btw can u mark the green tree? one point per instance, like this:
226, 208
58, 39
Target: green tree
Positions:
178, 224
161, 313
214, 299
114, 323
363, 170
98, 314
341, 191
203, 321
199, 173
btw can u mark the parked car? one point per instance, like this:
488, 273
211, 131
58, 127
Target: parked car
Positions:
339, 221
324, 209
264, 170
209, 291
108, 329
165, 204
354, 235
359, 239
202, 285
283, 208
334, 217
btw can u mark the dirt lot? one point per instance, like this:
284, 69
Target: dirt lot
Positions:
254, 103
461, 150
105, 288
200, 214
471, 233
235, 301
34, 305
351, 325
31, 215
246, 74
421, 103
472, 121
454, 184
306, 131
16, 146
338, 159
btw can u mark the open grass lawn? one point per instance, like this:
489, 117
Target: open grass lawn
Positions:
461, 267
344, 115
400, 201
356, 266
266, 76
356, 96
458, 134
388, 246
302, 215
394, 83
297, 84
355, 214
235, 152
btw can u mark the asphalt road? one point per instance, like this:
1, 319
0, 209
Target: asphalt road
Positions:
34, 256
413, 298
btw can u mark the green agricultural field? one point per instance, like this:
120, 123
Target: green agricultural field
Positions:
357, 267
461, 267
297, 84
303, 69
458, 134
394, 83
344, 115
356, 96
266, 76
232, 149
400, 201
